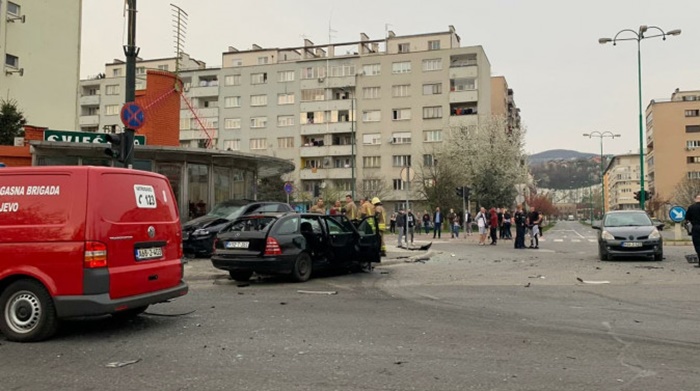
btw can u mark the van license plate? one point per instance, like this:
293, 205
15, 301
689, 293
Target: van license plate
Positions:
632, 244
236, 244
149, 253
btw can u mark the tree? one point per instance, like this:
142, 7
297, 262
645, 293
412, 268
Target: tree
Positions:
685, 192
489, 158
271, 189
12, 122
542, 203
437, 182
372, 186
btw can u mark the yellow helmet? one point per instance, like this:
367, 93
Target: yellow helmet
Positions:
376, 201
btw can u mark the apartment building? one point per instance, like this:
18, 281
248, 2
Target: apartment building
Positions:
503, 103
41, 68
397, 97
673, 142
621, 182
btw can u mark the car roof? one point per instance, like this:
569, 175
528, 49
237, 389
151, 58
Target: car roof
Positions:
625, 211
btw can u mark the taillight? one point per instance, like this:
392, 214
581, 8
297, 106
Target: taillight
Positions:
95, 255
213, 247
272, 247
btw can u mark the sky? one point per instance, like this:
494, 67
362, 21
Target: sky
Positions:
564, 81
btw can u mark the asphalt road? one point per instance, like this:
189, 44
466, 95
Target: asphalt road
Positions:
469, 318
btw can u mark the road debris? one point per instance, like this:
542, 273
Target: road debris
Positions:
528, 285
120, 364
592, 282
537, 276
318, 292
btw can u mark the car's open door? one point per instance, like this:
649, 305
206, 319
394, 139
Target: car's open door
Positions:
341, 239
369, 240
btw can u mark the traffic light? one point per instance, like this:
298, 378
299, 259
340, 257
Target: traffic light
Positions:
459, 191
467, 192
637, 196
118, 146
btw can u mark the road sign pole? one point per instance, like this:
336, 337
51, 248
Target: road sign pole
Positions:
131, 52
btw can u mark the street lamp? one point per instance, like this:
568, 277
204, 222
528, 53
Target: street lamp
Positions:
601, 136
639, 36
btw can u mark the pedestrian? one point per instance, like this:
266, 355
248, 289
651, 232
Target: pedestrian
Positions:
437, 222
336, 209
380, 213
400, 222
350, 208
507, 221
493, 226
456, 225
519, 221
318, 207
692, 216
392, 223
426, 221
482, 221
410, 225
499, 213
535, 219
468, 223
450, 222
366, 208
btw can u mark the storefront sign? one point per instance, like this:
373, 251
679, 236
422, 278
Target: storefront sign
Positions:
83, 137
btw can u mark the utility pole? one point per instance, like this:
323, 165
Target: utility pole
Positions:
131, 52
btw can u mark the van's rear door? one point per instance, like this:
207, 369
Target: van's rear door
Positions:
135, 214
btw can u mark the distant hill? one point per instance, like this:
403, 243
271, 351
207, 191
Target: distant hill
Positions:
558, 154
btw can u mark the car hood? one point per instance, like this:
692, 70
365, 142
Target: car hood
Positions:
205, 221
626, 232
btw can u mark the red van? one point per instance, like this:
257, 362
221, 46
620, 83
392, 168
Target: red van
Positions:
84, 241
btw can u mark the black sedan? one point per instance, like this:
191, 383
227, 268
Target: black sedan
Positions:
294, 244
628, 233
198, 234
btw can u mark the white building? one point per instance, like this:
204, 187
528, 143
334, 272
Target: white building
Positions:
40, 46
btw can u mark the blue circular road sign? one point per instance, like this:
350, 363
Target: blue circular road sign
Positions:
677, 214
288, 188
132, 116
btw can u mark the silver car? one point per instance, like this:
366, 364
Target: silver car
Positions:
628, 233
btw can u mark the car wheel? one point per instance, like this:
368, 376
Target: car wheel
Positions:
659, 257
602, 255
129, 314
240, 275
302, 268
28, 312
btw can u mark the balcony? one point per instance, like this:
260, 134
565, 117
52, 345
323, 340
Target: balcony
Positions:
326, 128
210, 112
464, 72
329, 150
89, 120
198, 134
202, 92
90, 100
464, 120
464, 96
325, 173
326, 105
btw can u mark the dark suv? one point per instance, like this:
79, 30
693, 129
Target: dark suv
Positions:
198, 234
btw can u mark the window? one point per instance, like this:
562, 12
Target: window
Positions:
399, 184
285, 120
432, 89
372, 161
692, 113
232, 80
11, 61
285, 76
371, 69
462, 84
401, 67
13, 9
315, 117
693, 159
371, 184
342, 162
428, 160
689, 98
285, 99
285, 142
315, 94
114, 89
117, 72
342, 70
258, 78
691, 144
400, 114
693, 175
258, 143
432, 112
140, 70
258, 100
401, 160
232, 123
163, 67
404, 47
692, 128
232, 145
371, 116
258, 122
401, 138
371, 92
262, 60
232, 101
185, 123
432, 136
399, 91
372, 139
434, 64
237, 62
313, 72
433, 45
111, 109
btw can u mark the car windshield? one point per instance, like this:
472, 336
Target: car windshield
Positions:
226, 211
252, 224
627, 220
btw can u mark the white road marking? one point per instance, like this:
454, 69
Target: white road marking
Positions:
558, 240
575, 241
592, 240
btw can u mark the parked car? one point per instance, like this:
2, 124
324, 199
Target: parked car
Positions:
198, 234
294, 244
628, 233
658, 224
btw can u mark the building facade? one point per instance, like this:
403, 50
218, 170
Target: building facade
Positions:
621, 182
397, 97
503, 102
41, 68
673, 142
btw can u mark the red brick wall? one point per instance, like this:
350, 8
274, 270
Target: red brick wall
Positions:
161, 103
15, 156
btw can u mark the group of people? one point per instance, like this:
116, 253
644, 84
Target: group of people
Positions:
497, 223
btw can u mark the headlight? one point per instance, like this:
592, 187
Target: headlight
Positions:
607, 235
200, 232
654, 234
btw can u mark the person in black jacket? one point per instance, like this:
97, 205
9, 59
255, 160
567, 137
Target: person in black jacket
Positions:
410, 225
693, 217
401, 226
519, 220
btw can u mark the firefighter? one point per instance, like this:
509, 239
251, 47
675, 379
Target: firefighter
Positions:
380, 214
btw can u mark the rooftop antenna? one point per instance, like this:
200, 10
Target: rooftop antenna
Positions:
180, 19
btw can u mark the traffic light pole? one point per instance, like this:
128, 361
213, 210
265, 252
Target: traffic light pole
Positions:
131, 52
